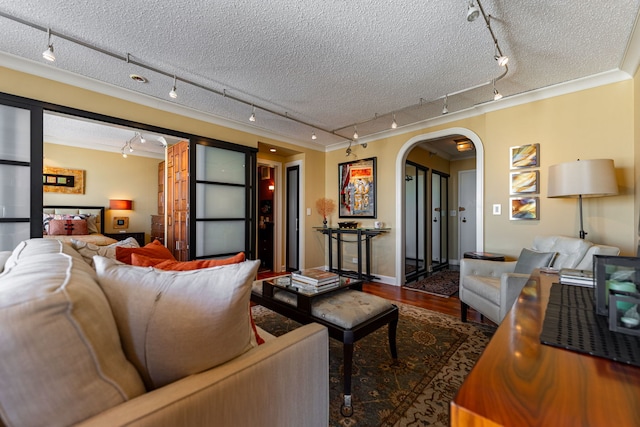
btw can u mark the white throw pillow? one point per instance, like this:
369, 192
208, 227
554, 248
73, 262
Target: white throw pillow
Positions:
89, 250
176, 323
61, 360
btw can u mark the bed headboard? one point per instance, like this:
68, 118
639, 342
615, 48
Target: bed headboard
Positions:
98, 211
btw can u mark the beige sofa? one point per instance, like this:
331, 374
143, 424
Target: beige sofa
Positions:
66, 358
491, 287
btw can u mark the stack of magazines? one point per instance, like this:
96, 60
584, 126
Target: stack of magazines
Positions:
314, 278
572, 276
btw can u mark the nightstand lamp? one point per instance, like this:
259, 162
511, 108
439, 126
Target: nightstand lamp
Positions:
120, 222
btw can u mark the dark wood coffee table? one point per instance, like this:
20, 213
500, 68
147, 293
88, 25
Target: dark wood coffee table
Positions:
305, 306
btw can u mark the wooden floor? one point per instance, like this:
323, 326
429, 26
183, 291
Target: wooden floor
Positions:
449, 305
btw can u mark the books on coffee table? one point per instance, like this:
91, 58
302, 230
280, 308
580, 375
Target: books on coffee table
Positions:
572, 276
315, 277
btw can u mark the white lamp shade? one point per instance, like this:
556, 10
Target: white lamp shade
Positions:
586, 178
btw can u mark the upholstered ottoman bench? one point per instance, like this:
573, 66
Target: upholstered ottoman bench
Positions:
350, 315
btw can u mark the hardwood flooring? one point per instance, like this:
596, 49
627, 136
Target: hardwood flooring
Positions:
450, 306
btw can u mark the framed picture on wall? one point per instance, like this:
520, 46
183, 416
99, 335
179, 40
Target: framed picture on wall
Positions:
357, 189
525, 156
524, 208
524, 182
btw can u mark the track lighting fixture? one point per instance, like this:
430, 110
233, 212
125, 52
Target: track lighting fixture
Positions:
173, 94
313, 136
349, 149
472, 12
253, 114
48, 54
394, 124
496, 95
445, 109
355, 133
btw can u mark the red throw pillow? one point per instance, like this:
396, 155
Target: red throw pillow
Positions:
172, 265
67, 227
154, 249
167, 264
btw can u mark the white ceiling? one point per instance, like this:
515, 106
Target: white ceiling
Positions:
329, 63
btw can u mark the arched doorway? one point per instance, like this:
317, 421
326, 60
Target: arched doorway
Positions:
400, 191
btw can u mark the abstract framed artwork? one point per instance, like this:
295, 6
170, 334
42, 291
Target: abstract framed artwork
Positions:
525, 156
357, 189
524, 208
61, 180
524, 182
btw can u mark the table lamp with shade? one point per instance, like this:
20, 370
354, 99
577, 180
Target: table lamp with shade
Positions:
583, 178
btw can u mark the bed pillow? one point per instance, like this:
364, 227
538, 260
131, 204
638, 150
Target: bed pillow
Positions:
68, 227
154, 249
89, 250
530, 260
168, 264
178, 323
92, 225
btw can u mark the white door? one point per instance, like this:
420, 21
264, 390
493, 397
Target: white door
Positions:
466, 212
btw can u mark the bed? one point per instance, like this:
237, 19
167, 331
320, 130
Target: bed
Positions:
84, 223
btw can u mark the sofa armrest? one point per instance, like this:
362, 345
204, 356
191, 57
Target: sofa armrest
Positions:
511, 285
283, 382
479, 267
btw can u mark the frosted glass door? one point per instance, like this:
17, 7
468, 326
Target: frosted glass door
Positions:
15, 176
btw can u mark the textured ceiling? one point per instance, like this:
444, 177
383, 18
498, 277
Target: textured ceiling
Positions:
329, 63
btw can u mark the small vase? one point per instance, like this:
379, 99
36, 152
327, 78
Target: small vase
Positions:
324, 223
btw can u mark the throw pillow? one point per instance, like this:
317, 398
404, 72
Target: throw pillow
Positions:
154, 249
61, 360
168, 264
178, 323
530, 260
92, 225
68, 227
88, 250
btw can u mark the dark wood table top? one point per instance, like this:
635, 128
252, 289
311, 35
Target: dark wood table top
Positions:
519, 381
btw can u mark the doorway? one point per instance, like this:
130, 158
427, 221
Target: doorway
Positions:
415, 220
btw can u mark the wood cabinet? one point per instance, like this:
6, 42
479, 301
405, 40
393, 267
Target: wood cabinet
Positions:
177, 200
157, 228
161, 188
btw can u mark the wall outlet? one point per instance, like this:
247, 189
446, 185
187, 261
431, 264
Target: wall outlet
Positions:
354, 260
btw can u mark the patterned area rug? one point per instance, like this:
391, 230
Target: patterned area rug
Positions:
435, 352
442, 283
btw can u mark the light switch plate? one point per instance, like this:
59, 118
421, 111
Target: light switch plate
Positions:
497, 209
308, 211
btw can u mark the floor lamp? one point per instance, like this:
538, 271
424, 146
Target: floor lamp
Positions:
583, 178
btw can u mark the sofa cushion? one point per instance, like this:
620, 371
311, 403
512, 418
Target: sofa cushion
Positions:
88, 250
154, 249
530, 260
570, 250
177, 323
173, 265
61, 360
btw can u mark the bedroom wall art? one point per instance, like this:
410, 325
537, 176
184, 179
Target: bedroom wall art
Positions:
61, 180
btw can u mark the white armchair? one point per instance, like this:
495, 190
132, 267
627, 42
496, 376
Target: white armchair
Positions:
491, 287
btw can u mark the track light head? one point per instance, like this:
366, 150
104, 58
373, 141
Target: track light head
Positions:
313, 136
445, 109
496, 95
394, 124
253, 115
502, 60
355, 133
48, 54
364, 145
173, 94
472, 12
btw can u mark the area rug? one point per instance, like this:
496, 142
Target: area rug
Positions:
435, 354
441, 283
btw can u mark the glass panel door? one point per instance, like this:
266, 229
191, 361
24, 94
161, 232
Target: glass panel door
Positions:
440, 221
415, 221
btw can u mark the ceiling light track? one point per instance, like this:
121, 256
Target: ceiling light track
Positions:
127, 58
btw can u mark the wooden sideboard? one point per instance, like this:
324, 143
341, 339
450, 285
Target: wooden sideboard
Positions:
520, 382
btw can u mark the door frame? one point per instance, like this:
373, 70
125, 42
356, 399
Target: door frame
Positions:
400, 197
277, 216
301, 217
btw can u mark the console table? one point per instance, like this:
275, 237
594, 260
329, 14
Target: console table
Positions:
519, 381
362, 235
